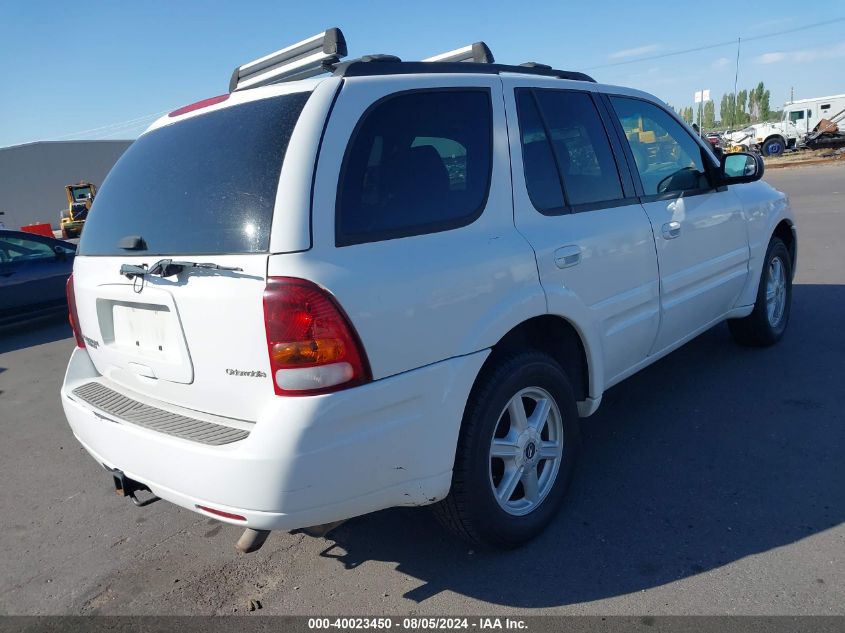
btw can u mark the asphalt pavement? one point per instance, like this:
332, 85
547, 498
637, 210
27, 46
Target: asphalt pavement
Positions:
713, 482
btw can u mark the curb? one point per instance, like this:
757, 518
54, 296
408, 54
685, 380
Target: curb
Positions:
801, 163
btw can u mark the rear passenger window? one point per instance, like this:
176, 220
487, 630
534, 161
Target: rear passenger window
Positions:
564, 140
418, 162
541, 176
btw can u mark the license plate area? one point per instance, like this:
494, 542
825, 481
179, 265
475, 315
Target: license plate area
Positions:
144, 329
143, 337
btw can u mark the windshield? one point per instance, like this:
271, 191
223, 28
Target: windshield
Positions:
81, 193
206, 185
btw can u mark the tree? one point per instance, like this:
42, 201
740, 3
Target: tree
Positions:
758, 103
763, 102
746, 106
709, 115
753, 109
686, 114
727, 109
741, 101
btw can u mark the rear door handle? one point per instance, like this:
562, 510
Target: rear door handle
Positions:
671, 230
567, 256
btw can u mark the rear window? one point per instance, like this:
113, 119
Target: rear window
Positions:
206, 185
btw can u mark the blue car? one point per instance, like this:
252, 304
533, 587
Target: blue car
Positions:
33, 272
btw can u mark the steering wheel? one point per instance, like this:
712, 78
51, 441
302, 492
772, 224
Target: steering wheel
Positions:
663, 185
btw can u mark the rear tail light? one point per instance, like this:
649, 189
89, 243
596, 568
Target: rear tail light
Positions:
199, 105
312, 345
73, 316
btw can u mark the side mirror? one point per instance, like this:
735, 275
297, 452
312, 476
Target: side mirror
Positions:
61, 254
741, 167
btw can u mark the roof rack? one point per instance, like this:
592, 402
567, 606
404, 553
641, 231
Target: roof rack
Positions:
477, 52
323, 52
311, 56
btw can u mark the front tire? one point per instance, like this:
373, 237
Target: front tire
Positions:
516, 452
774, 147
767, 323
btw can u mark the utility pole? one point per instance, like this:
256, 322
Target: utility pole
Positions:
736, 78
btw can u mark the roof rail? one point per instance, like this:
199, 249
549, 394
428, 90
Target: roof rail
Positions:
477, 52
365, 67
311, 56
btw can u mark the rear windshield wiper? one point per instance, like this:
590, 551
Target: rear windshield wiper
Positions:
169, 268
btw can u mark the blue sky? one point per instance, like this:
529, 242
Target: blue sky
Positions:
102, 69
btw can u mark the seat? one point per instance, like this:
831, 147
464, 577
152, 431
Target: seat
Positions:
416, 185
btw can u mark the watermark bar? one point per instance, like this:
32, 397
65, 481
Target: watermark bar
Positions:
534, 624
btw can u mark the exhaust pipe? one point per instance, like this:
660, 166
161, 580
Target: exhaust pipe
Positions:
251, 540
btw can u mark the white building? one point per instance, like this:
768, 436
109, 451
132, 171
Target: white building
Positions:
33, 176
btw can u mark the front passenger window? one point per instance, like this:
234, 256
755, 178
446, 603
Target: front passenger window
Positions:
667, 158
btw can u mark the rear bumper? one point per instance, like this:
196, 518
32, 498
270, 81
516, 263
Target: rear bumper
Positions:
307, 461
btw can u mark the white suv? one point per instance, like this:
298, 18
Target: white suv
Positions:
400, 284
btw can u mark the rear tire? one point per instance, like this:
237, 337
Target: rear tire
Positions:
767, 323
512, 469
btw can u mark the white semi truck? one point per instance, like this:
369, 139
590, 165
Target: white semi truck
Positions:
798, 125
806, 114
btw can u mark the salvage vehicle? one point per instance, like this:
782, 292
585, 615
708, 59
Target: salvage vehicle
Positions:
374, 283
806, 124
771, 139
33, 272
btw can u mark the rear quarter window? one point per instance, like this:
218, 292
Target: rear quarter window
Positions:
418, 162
205, 185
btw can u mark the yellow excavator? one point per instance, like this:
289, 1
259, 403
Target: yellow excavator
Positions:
79, 199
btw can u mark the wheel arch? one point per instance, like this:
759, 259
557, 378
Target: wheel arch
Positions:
786, 233
560, 338
782, 228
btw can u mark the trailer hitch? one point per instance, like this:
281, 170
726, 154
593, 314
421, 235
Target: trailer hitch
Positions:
126, 487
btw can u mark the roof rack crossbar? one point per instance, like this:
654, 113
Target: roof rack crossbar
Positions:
477, 52
311, 56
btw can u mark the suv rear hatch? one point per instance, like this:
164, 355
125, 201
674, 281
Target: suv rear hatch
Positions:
197, 191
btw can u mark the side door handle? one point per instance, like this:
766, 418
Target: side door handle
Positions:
671, 230
567, 256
